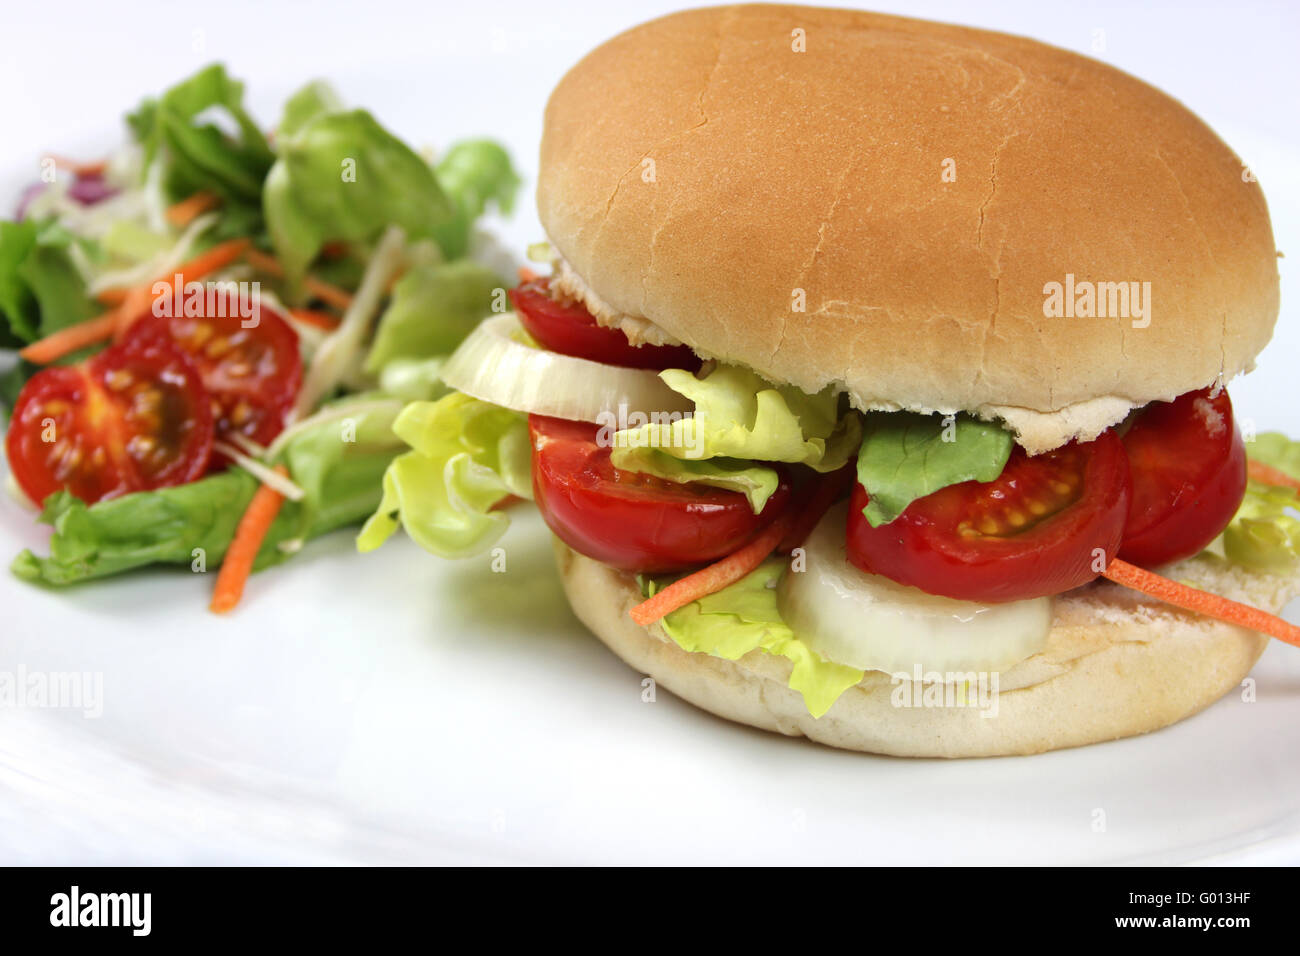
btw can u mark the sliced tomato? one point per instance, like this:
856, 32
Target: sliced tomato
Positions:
571, 330
1189, 476
1045, 525
250, 366
629, 520
133, 417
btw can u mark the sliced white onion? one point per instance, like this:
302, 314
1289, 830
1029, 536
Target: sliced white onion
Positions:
865, 620
494, 366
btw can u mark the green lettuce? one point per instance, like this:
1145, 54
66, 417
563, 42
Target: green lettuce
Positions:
18, 307
41, 289
201, 155
342, 176
55, 282
744, 617
905, 456
755, 482
467, 456
338, 463
740, 419
473, 173
1265, 532
431, 311
315, 99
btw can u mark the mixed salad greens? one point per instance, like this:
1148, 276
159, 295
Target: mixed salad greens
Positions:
365, 250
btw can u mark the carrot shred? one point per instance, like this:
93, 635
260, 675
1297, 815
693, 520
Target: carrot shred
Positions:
190, 208
1268, 475
66, 341
81, 169
329, 294
242, 553
134, 303
112, 296
264, 262
712, 579
321, 320
1202, 602
133, 307
527, 275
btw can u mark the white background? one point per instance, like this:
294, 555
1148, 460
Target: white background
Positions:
397, 708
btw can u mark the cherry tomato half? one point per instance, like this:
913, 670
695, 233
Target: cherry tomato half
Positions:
1189, 475
1033, 530
252, 373
132, 418
571, 330
629, 520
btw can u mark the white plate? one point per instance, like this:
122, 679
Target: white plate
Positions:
395, 708
398, 708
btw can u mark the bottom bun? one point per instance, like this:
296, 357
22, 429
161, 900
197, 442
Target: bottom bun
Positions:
1115, 664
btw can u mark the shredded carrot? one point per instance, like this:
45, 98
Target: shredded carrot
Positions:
329, 294
74, 337
714, 578
111, 296
138, 299
527, 275
1202, 602
249, 535
205, 263
263, 262
321, 320
1268, 475
135, 305
187, 210
135, 302
77, 168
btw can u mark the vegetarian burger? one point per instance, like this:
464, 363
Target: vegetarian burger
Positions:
877, 394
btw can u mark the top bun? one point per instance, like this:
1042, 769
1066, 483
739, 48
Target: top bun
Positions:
913, 187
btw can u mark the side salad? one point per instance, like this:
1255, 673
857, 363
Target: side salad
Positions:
216, 327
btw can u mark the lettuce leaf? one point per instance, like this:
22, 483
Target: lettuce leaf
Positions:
339, 471
467, 455
740, 416
473, 173
755, 482
55, 282
18, 307
1265, 532
431, 311
315, 99
905, 456
342, 176
744, 617
201, 155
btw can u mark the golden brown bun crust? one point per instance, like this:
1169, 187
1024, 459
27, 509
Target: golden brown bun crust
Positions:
1115, 665
775, 170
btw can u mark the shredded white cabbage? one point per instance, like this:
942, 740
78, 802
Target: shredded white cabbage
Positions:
261, 472
342, 350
